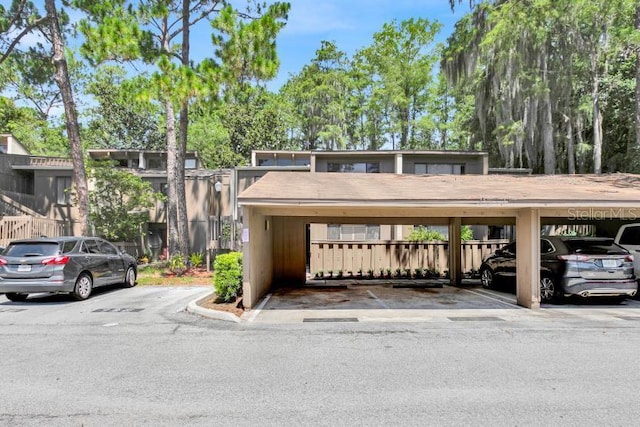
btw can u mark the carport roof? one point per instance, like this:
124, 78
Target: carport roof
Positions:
331, 189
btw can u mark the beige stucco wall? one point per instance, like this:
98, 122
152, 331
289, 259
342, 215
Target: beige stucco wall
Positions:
257, 257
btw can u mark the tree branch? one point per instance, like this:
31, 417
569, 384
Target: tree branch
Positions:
23, 33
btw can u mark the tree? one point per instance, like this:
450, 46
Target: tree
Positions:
24, 19
402, 59
319, 95
39, 136
158, 33
120, 202
122, 119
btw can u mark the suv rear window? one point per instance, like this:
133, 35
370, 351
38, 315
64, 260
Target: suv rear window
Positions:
595, 247
32, 249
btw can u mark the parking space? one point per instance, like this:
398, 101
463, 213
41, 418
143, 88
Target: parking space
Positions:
106, 307
352, 302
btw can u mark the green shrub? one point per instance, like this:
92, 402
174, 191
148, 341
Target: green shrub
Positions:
177, 265
423, 234
227, 276
196, 259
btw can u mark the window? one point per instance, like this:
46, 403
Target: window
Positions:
190, 163
68, 246
284, 162
63, 190
107, 248
353, 232
90, 247
157, 163
265, 162
438, 169
358, 167
630, 236
546, 246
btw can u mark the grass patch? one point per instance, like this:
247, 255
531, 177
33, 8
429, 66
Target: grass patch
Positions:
160, 275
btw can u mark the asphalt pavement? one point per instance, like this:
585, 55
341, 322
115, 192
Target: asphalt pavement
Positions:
136, 357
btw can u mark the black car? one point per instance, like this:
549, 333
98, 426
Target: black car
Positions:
584, 266
73, 265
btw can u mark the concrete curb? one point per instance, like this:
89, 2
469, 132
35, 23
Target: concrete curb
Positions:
194, 308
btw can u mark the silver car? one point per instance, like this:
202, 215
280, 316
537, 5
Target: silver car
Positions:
73, 265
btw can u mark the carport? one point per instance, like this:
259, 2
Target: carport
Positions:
277, 208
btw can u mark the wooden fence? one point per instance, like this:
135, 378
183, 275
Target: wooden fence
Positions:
24, 227
363, 256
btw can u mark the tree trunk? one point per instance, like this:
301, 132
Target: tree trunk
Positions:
597, 126
181, 148
71, 117
546, 129
571, 151
173, 233
637, 26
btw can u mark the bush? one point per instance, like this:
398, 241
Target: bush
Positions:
177, 264
423, 234
227, 275
195, 259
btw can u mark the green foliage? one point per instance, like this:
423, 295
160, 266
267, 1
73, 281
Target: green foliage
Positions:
122, 118
228, 275
424, 234
466, 233
196, 259
177, 264
119, 202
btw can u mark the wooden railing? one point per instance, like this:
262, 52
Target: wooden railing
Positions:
24, 227
364, 256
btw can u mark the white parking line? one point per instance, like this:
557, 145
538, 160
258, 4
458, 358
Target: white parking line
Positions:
382, 303
257, 311
510, 304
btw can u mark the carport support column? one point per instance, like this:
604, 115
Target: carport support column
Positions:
455, 254
528, 257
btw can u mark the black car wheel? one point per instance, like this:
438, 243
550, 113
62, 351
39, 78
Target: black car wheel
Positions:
16, 297
487, 278
130, 278
83, 287
548, 290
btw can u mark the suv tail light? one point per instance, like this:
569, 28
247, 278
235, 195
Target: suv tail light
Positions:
3, 261
59, 260
573, 257
629, 258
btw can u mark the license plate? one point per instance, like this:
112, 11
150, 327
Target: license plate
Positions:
23, 267
609, 263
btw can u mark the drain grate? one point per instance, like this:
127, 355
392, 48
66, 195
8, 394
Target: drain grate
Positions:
330, 319
476, 319
629, 317
117, 310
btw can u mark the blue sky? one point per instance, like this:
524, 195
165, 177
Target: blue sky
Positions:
351, 25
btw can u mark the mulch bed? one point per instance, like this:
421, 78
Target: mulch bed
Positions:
213, 302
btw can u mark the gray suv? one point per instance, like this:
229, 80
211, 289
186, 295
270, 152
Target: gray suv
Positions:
73, 265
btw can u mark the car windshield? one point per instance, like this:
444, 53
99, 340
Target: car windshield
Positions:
595, 247
27, 249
